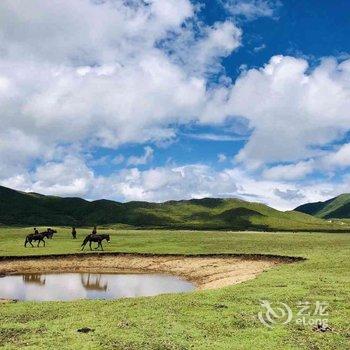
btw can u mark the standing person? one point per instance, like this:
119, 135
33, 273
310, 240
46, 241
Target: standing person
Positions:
74, 233
94, 231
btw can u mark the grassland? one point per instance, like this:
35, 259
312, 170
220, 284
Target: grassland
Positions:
219, 319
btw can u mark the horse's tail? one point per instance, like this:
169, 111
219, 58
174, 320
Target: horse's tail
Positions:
26, 241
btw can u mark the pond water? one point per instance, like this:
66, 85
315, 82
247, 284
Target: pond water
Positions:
72, 286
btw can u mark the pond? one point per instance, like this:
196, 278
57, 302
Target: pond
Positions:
72, 286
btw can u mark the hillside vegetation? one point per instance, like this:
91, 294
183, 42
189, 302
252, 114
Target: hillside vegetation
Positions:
338, 207
19, 208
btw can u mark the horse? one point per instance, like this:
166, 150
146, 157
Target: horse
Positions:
50, 233
95, 238
36, 237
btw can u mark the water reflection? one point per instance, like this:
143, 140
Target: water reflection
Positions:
93, 282
71, 286
34, 278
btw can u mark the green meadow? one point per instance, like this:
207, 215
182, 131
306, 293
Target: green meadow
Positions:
225, 318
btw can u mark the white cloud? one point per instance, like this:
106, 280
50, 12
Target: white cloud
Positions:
259, 48
327, 162
222, 158
220, 40
144, 159
93, 73
79, 75
293, 112
215, 137
252, 9
86, 32
198, 49
289, 172
71, 177
338, 159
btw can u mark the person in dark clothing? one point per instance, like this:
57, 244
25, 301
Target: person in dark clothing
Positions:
36, 231
74, 233
94, 231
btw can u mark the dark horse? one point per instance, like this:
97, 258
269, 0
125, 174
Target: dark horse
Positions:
37, 237
50, 233
95, 238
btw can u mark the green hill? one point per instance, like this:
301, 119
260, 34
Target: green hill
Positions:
338, 207
19, 208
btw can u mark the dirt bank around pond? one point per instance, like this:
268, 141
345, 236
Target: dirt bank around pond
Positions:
205, 271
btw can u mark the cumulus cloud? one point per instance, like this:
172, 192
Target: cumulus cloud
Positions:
72, 177
76, 76
293, 111
86, 32
96, 73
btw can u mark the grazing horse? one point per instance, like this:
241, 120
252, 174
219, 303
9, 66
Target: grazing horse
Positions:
36, 237
95, 238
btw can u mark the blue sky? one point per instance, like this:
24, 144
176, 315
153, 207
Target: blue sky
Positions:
163, 100
312, 29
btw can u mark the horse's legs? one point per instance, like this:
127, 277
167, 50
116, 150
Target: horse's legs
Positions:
90, 245
38, 242
44, 242
25, 243
31, 243
99, 244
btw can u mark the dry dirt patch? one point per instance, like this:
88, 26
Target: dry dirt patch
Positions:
205, 271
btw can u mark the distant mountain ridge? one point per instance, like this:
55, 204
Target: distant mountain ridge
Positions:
20, 208
334, 208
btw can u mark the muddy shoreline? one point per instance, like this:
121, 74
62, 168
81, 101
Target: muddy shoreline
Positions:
205, 271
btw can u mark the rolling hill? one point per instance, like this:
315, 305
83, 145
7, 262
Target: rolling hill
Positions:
334, 208
19, 208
